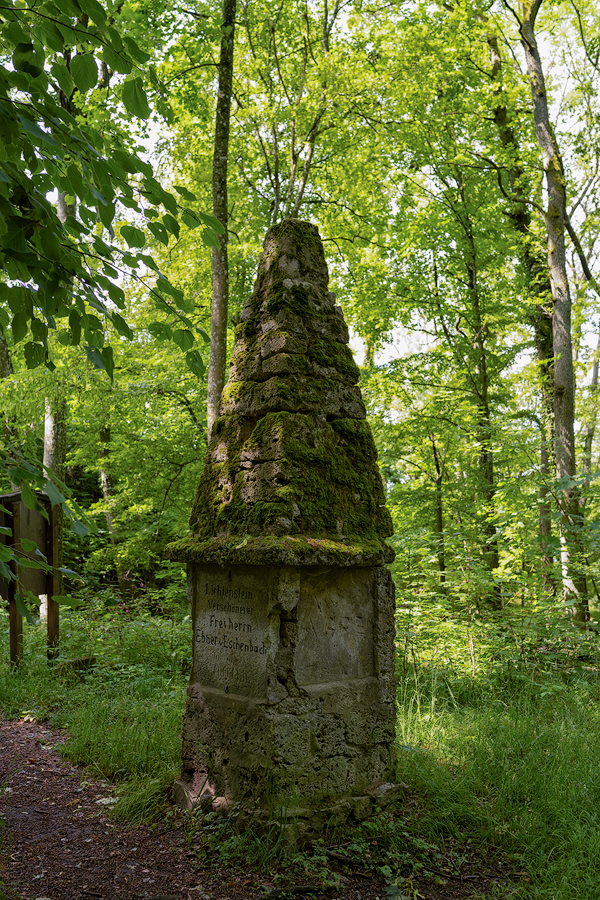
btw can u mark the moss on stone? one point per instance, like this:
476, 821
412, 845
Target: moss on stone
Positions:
286, 550
331, 354
292, 456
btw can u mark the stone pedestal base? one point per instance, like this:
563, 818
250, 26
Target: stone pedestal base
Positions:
291, 702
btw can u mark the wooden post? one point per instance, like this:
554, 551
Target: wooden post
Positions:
15, 618
52, 580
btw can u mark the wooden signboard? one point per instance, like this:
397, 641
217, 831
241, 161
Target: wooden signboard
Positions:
31, 525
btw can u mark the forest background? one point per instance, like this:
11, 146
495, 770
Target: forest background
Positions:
410, 135
448, 154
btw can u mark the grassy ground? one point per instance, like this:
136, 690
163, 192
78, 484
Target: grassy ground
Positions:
498, 731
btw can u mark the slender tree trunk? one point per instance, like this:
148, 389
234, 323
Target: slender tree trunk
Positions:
220, 264
55, 454
491, 554
574, 582
6, 370
106, 483
539, 289
590, 429
545, 355
439, 511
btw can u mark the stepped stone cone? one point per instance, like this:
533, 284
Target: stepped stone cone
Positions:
291, 703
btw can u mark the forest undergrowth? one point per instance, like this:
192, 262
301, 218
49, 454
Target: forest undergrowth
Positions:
498, 738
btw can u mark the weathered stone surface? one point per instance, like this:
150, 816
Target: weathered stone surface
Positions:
286, 706
291, 702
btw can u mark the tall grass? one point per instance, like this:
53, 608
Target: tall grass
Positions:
498, 728
507, 753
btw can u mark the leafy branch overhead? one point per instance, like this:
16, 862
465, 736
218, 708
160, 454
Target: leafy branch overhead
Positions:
59, 275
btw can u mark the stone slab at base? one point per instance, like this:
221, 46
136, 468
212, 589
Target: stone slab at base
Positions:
291, 701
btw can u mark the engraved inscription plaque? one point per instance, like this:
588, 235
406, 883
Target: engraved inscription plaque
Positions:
232, 631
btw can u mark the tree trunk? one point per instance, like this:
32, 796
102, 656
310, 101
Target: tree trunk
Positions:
108, 493
55, 453
220, 265
574, 582
6, 370
542, 323
439, 512
590, 429
484, 433
539, 289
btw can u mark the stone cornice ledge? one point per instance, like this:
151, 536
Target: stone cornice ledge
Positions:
287, 550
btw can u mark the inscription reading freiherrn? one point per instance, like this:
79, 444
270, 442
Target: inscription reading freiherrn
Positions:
227, 624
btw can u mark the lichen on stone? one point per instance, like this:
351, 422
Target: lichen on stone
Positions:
291, 472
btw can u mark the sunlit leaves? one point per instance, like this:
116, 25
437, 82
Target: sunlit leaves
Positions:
52, 66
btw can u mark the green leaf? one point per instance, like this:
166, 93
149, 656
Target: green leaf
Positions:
63, 77
20, 327
160, 330
95, 357
50, 34
22, 609
65, 600
49, 243
36, 132
127, 161
159, 231
116, 61
171, 224
134, 51
28, 546
212, 222
84, 70
54, 495
75, 326
26, 59
109, 362
184, 192
39, 330
167, 288
117, 295
190, 220
26, 563
183, 338
94, 11
121, 326
35, 354
134, 98
195, 362
135, 237
79, 528
28, 496
209, 238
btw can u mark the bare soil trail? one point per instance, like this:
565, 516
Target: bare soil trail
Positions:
58, 843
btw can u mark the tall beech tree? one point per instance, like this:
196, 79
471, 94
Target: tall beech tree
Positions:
520, 207
220, 261
556, 221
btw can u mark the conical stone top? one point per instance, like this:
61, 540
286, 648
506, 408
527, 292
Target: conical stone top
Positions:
291, 473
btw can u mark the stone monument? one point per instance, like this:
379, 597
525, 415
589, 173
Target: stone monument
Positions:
291, 702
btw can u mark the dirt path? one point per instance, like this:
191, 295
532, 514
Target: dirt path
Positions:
57, 842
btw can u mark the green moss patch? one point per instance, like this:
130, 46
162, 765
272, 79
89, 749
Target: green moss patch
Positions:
289, 550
